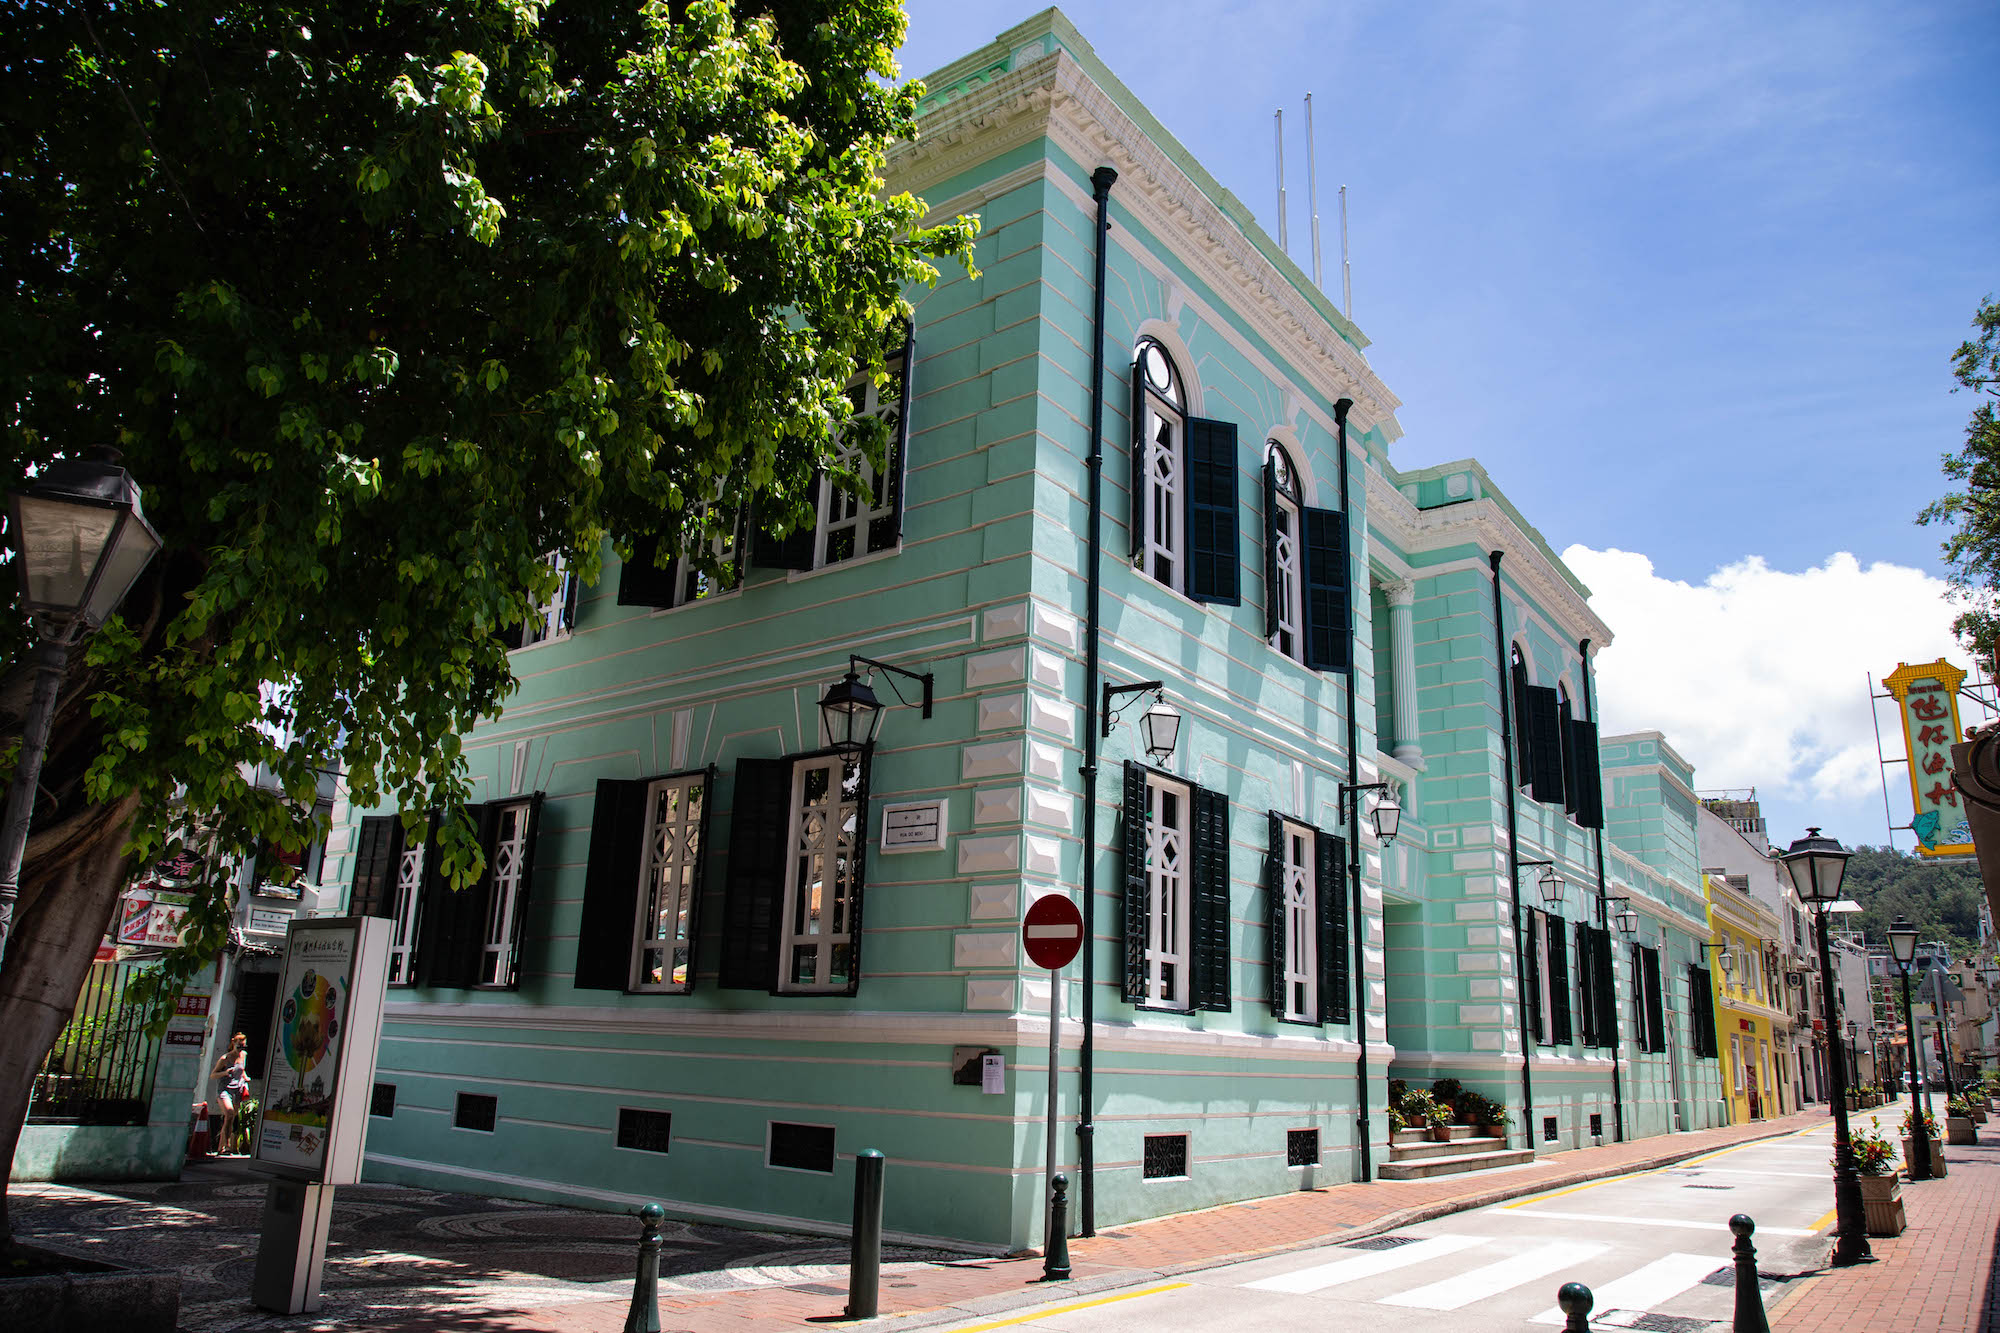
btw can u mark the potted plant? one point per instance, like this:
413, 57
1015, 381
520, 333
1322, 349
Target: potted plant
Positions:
1439, 1116
1881, 1188
1416, 1106
1450, 1093
1958, 1126
1918, 1125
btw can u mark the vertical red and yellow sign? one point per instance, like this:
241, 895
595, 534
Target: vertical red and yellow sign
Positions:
1927, 698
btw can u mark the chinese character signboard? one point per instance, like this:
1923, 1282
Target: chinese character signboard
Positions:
150, 915
1927, 699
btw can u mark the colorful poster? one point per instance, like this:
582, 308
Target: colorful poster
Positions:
150, 915
1927, 699
314, 992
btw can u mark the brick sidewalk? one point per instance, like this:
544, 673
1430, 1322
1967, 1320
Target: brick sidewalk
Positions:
1938, 1276
1124, 1255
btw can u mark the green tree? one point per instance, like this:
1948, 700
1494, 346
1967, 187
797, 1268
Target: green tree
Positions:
1972, 512
1941, 898
384, 301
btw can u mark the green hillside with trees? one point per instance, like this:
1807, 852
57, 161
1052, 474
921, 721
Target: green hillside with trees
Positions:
1942, 899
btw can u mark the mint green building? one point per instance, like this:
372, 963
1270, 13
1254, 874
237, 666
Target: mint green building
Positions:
714, 957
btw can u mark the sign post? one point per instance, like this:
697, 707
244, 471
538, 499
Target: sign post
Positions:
313, 1130
1052, 933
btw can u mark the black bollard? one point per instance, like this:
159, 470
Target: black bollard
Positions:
864, 1254
644, 1316
1055, 1245
1749, 1296
1574, 1299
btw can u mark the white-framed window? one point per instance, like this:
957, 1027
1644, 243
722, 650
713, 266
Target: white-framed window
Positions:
1160, 466
817, 936
507, 871
1287, 579
669, 879
849, 524
691, 585
1168, 980
551, 619
1301, 923
1546, 980
408, 900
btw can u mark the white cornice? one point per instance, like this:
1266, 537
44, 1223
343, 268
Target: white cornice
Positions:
1055, 97
1484, 524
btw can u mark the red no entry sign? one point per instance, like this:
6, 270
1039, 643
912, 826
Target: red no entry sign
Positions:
1052, 931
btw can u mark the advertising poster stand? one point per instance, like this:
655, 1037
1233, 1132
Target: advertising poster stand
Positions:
312, 1133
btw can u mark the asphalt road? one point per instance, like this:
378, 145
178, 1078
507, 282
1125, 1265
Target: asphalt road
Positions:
1654, 1248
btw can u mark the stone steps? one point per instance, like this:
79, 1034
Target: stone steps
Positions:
1400, 1167
1418, 1152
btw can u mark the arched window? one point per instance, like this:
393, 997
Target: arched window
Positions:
1159, 465
1284, 588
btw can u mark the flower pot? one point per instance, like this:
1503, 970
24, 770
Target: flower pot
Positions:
1440, 1133
1490, 1131
1979, 1114
1959, 1129
1937, 1156
1882, 1199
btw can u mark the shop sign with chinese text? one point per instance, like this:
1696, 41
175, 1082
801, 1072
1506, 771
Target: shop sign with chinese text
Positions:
1927, 700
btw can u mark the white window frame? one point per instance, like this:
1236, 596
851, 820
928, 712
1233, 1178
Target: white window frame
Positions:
841, 511
822, 829
1545, 1028
692, 586
1300, 922
1169, 953
1161, 511
408, 904
545, 623
1288, 532
506, 871
669, 879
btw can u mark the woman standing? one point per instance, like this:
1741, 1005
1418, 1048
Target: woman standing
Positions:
234, 1076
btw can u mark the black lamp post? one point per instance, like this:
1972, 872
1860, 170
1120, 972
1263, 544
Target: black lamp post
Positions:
1385, 816
80, 542
1903, 947
1853, 1057
1816, 865
850, 712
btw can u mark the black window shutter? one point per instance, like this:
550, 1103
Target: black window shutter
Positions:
1607, 989
1711, 1045
572, 585
1586, 984
1639, 1037
375, 848
1566, 736
1546, 775
860, 870
885, 532
641, 582
1656, 1019
1330, 890
794, 551
452, 921
1534, 953
510, 636
1270, 547
1212, 972
1133, 835
611, 886
1524, 740
1138, 524
1274, 894
760, 829
1589, 805
1329, 608
1214, 569
1560, 1031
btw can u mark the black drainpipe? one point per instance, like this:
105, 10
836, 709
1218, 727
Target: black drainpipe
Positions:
1358, 936
1086, 1155
1604, 921
1513, 856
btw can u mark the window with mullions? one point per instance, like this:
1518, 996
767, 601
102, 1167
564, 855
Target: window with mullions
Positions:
1176, 842
469, 937
797, 842
848, 524
681, 581
406, 905
1308, 924
507, 879
1159, 437
554, 617
1284, 586
643, 882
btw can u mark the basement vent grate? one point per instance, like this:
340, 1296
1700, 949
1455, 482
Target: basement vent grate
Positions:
1667, 1323
1380, 1242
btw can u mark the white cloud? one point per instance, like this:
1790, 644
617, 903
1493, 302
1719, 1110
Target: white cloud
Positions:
1759, 676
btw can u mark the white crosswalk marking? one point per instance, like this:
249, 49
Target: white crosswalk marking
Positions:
1681, 1223
1321, 1276
1454, 1293
1644, 1288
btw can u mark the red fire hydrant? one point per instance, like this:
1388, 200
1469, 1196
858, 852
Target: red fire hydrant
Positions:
198, 1133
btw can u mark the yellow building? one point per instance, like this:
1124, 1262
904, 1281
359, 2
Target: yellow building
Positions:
1750, 1022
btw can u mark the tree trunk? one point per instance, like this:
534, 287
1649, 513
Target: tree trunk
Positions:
69, 888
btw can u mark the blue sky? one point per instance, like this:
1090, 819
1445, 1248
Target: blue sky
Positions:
1685, 278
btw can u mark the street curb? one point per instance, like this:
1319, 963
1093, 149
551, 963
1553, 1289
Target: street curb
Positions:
1125, 1278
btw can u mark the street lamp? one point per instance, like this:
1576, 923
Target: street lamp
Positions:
1853, 1057
1385, 816
1816, 865
1159, 725
850, 712
1550, 883
80, 542
1903, 948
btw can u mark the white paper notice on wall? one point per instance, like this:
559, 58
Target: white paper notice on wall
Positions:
993, 1073
915, 826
